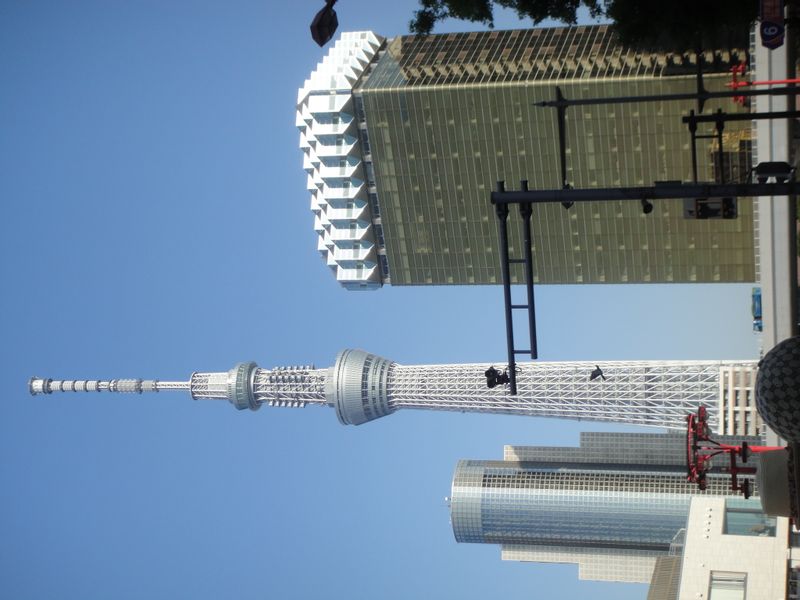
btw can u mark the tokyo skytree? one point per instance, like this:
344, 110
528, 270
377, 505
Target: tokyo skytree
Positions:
362, 387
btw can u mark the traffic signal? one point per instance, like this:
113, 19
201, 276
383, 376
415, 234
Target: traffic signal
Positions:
710, 208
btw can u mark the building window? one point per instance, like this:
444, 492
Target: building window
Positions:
370, 174
365, 141
794, 582
725, 585
744, 517
360, 109
373, 202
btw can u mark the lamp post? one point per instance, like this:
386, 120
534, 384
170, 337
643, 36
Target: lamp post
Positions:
324, 24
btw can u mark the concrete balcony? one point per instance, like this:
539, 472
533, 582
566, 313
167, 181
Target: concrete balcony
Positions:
337, 172
355, 275
361, 231
347, 255
340, 194
337, 150
327, 103
346, 125
348, 214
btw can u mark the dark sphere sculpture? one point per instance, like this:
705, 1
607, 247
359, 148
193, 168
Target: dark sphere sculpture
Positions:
778, 389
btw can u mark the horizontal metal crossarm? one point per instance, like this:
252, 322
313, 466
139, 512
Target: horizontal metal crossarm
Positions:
720, 116
703, 95
654, 192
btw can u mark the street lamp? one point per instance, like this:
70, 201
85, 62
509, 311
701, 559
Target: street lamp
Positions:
324, 24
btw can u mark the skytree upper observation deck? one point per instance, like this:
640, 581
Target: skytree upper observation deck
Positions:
363, 387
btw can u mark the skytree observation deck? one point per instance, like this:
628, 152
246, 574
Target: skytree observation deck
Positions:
362, 387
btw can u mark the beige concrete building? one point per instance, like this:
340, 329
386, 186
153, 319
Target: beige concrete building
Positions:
733, 551
736, 411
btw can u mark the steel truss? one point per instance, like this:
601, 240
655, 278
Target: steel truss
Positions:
651, 393
658, 394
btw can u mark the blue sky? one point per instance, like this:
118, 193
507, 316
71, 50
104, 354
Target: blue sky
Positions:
156, 223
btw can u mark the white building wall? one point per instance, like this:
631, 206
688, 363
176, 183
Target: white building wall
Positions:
594, 564
707, 549
776, 231
329, 138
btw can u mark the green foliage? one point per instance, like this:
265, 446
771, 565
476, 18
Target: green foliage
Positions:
674, 25
431, 11
683, 24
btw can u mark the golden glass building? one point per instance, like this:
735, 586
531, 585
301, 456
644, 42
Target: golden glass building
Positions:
405, 138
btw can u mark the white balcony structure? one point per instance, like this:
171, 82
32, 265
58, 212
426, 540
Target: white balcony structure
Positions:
333, 159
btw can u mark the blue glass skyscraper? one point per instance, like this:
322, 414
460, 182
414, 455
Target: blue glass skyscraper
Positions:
613, 505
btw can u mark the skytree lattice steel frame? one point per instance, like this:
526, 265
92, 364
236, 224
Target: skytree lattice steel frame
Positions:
362, 387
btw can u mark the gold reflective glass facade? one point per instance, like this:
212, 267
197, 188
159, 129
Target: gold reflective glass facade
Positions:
449, 115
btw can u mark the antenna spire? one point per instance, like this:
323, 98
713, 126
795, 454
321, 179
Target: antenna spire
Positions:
38, 385
244, 386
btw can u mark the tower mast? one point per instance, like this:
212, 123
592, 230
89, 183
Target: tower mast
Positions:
362, 387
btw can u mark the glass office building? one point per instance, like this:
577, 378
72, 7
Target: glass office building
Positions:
613, 505
405, 138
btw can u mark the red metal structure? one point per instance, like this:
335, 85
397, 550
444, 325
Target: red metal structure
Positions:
739, 71
701, 449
